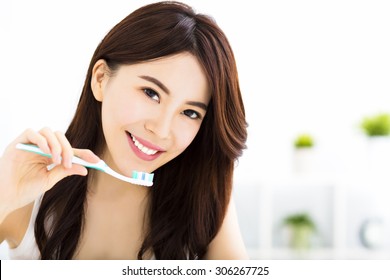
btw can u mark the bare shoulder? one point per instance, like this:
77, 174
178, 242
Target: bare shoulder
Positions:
14, 226
228, 243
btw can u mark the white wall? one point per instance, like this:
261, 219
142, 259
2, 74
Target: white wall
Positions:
304, 66
315, 66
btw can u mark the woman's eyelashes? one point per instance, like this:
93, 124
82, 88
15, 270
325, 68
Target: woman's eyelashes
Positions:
192, 114
152, 94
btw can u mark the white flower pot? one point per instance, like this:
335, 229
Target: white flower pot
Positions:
304, 160
378, 155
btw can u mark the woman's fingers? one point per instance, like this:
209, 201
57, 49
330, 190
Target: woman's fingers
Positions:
59, 172
67, 151
86, 155
31, 136
54, 144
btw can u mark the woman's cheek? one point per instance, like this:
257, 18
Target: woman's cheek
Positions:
130, 111
186, 133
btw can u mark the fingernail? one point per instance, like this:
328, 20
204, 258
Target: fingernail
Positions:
57, 159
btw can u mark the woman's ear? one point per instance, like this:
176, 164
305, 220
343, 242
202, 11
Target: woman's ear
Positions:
100, 75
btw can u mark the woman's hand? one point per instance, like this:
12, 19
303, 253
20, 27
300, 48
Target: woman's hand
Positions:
24, 175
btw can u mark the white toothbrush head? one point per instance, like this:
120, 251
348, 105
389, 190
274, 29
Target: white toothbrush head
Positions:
138, 178
145, 179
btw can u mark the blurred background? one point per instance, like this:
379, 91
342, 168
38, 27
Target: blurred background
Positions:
314, 182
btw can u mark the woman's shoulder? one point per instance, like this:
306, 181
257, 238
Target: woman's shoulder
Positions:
15, 225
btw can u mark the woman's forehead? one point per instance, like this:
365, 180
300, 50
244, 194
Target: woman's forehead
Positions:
176, 73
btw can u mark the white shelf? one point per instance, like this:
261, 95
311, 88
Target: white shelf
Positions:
334, 202
319, 254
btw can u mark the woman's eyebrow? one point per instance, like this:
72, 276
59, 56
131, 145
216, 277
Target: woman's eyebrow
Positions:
197, 104
156, 82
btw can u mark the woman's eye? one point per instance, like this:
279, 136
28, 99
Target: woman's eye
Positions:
152, 94
192, 114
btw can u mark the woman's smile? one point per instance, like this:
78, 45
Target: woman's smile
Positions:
144, 149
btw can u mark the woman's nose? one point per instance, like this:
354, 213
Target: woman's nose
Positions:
160, 125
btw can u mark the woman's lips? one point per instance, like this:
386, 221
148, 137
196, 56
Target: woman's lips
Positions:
144, 149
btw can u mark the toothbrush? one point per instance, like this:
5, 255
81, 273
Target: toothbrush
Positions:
138, 178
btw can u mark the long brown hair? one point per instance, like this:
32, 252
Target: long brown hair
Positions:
191, 192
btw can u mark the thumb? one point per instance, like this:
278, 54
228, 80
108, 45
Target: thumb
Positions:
59, 172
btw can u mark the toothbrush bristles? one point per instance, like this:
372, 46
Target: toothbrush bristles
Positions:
143, 176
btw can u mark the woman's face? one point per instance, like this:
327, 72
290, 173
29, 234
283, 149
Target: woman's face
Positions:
151, 111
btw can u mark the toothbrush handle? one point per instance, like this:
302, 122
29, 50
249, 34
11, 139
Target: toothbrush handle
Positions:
99, 165
32, 148
75, 159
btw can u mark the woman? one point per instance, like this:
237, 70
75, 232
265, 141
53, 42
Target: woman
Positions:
161, 95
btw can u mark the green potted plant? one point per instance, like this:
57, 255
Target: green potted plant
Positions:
376, 125
302, 228
304, 141
303, 153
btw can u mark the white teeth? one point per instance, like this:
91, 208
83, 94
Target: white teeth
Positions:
142, 148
